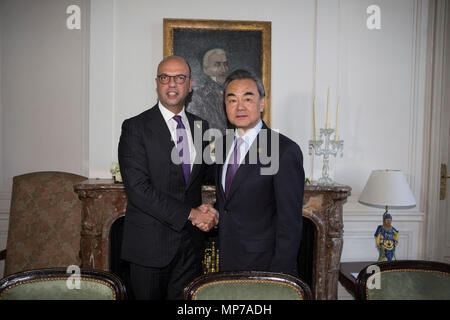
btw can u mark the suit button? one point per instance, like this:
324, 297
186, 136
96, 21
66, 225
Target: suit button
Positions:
225, 211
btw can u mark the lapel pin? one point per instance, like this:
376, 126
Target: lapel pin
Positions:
198, 126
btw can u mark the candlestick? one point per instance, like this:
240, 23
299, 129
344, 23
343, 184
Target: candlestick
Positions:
327, 123
326, 147
336, 135
314, 118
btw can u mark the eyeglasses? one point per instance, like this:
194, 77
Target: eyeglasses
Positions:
165, 79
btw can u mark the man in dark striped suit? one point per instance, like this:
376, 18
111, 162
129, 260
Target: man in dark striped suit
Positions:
163, 171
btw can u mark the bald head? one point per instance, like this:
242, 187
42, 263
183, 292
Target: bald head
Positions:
180, 59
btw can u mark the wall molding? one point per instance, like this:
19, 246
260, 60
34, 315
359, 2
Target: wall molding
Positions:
368, 216
417, 98
5, 202
360, 223
326, 57
85, 80
4, 224
354, 211
407, 249
102, 88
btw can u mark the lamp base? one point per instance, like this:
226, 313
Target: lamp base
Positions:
386, 238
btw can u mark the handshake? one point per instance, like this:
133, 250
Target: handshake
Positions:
204, 217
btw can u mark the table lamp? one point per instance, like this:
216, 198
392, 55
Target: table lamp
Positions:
384, 189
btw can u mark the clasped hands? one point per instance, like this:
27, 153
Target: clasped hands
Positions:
204, 217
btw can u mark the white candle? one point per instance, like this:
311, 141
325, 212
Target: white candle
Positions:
327, 123
336, 135
314, 118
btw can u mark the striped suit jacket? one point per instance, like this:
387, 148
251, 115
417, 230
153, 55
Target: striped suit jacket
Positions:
159, 199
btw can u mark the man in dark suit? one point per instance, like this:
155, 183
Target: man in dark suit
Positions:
163, 171
259, 186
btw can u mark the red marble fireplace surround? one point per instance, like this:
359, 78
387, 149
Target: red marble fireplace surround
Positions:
105, 201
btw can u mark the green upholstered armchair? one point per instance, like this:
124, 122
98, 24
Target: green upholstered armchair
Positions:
44, 222
404, 280
57, 284
247, 285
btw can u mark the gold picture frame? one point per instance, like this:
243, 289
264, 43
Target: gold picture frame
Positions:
247, 43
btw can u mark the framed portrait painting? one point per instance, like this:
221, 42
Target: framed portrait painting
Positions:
213, 49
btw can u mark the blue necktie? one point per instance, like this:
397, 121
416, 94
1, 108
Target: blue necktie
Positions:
183, 148
233, 166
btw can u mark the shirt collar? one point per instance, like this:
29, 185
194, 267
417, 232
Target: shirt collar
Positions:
167, 114
251, 134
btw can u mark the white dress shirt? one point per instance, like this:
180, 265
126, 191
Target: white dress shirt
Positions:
172, 125
248, 138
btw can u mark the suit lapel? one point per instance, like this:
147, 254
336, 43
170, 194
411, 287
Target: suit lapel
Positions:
246, 168
225, 149
157, 125
197, 131
242, 172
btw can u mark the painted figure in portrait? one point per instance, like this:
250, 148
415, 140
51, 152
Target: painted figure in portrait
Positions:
213, 54
207, 101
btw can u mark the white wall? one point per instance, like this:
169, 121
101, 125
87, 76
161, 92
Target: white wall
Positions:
382, 77
44, 93
4, 204
1, 95
130, 39
43, 89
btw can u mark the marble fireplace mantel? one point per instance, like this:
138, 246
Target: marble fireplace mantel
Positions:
105, 201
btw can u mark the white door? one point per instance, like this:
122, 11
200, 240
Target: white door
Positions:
438, 203
444, 205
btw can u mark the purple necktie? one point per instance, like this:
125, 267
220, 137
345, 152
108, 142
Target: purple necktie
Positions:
183, 148
233, 165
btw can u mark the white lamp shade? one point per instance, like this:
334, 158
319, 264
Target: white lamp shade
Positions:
387, 188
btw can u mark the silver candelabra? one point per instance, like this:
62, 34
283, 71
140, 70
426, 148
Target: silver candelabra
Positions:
326, 147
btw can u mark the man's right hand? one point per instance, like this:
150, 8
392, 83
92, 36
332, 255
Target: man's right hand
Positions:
204, 217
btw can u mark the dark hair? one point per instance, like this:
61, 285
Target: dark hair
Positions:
241, 74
